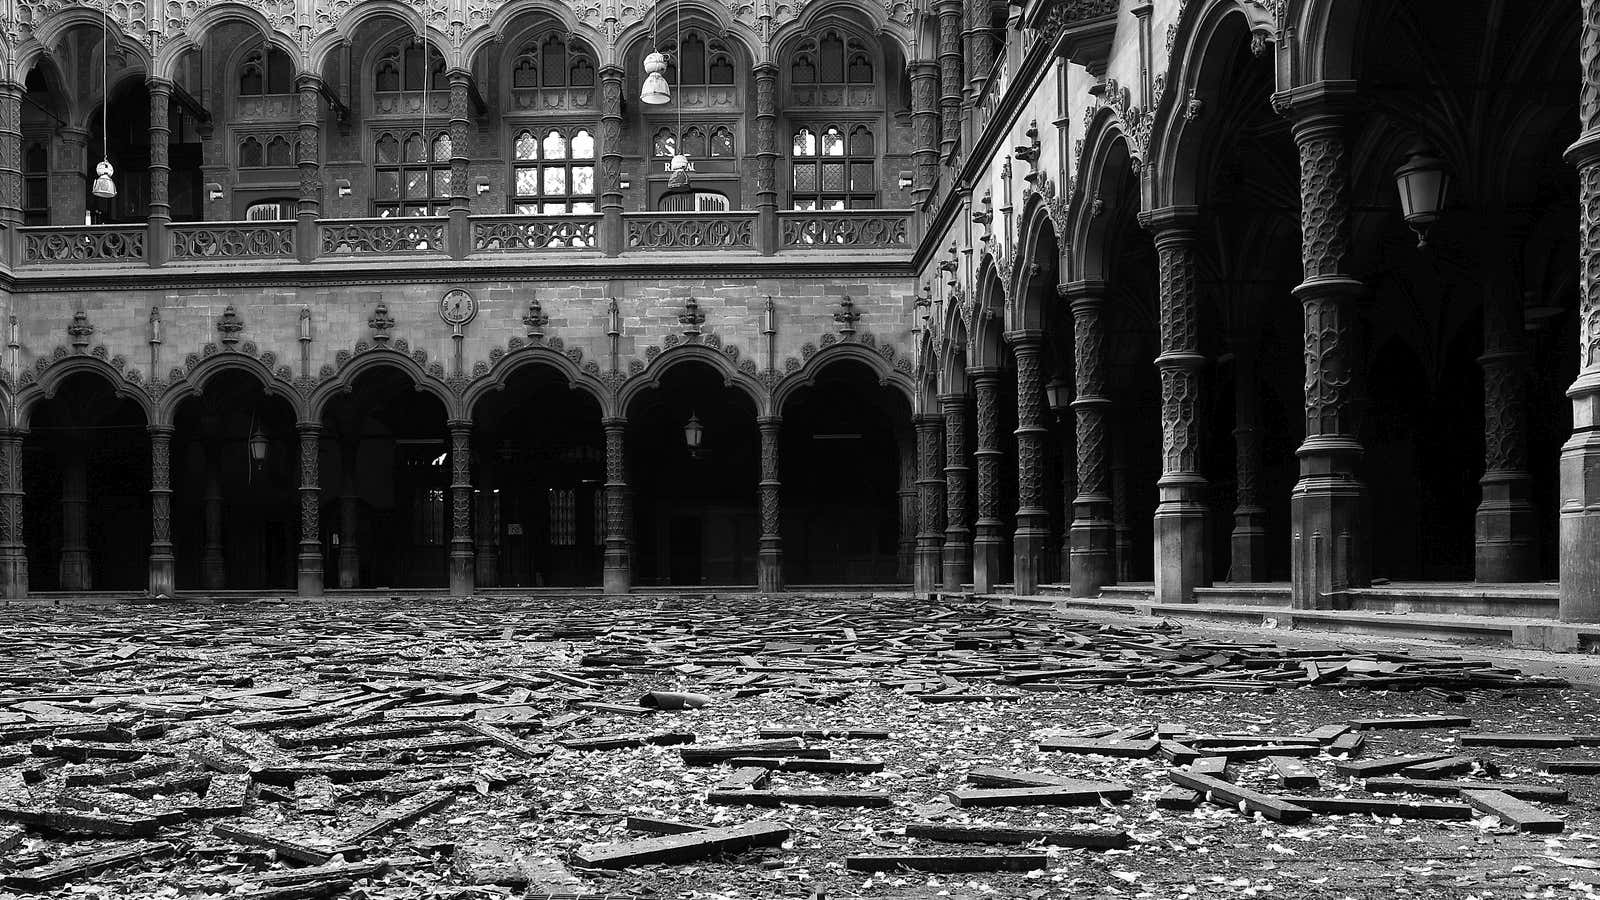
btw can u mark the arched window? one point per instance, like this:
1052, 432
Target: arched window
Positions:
831, 59
701, 62
36, 183
713, 141
553, 171
833, 166
279, 152
251, 154
266, 71
408, 179
552, 62
400, 68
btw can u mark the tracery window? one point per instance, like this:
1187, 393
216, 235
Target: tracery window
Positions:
266, 151
400, 68
552, 62
411, 177
553, 171
833, 167
831, 59
266, 71
701, 62
699, 141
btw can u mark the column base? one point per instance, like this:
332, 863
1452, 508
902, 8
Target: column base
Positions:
13, 573
1580, 506
163, 574
75, 571
1248, 546
1029, 549
1506, 534
349, 567
616, 577
929, 569
462, 583
956, 559
1180, 550
1328, 553
487, 568
986, 572
213, 571
309, 576
1092, 559
769, 570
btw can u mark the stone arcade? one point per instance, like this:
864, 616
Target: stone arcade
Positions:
1088, 295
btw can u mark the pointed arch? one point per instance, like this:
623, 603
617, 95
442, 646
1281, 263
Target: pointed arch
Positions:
345, 31
511, 21
806, 375
343, 380
1038, 234
988, 318
50, 32
543, 356
198, 29
713, 18
671, 357
194, 382
1106, 162
47, 381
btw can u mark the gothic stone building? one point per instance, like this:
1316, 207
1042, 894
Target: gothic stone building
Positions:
1186, 298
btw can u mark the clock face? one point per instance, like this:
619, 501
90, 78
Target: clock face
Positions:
457, 307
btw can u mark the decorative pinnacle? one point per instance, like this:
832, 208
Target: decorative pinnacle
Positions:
536, 320
381, 323
847, 317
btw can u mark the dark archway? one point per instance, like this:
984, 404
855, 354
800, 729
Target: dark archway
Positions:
236, 518
86, 475
540, 490
840, 466
392, 484
128, 147
695, 519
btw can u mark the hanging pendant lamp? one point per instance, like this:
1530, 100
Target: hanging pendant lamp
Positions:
656, 91
104, 187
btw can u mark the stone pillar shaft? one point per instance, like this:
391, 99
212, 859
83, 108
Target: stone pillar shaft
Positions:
618, 568
611, 234
980, 47
1248, 541
905, 560
766, 83
76, 569
308, 206
160, 210
1506, 546
1033, 519
13, 550
988, 531
957, 530
1580, 455
950, 84
460, 238
163, 564
461, 558
1180, 517
310, 561
769, 558
930, 502
10, 169
1329, 550
349, 517
924, 129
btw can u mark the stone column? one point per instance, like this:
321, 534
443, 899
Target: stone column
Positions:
980, 47
459, 239
213, 568
160, 212
767, 158
1329, 551
930, 502
1033, 520
957, 531
618, 567
769, 560
1506, 547
1093, 553
486, 563
1580, 456
1119, 505
461, 574
1248, 542
69, 166
1180, 517
310, 561
76, 568
950, 84
924, 129
349, 517
906, 558
10, 171
13, 550
611, 234
987, 534
308, 206
163, 564
1068, 429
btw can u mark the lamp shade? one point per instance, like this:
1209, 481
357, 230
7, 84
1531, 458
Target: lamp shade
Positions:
1059, 393
655, 91
258, 446
104, 187
1423, 183
693, 432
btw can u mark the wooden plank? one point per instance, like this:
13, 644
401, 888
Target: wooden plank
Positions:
1547, 793
657, 825
225, 796
1091, 839
1572, 766
1101, 747
403, 813
1385, 765
991, 776
1214, 766
1292, 773
61, 871
1009, 862
829, 766
1175, 797
744, 778
1217, 791
1405, 809
284, 845
683, 847
1525, 816
1411, 722
1516, 740
849, 734
710, 755
58, 819
799, 798
1083, 793
1450, 765
1348, 744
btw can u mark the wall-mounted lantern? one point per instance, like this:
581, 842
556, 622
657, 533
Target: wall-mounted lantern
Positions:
1423, 183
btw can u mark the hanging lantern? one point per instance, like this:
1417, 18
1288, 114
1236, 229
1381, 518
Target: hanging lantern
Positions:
693, 432
655, 90
258, 446
1059, 393
104, 187
1423, 183
679, 170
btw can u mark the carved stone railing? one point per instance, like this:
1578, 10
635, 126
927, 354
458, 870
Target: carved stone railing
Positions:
83, 243
866, 228
491, 234
409, 235
231, 240
690, 231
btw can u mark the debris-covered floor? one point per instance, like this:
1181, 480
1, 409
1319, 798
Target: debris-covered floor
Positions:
841, 747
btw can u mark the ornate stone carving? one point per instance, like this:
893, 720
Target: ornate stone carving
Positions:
955, 468
1088, 337
381, 322
160, 168
80, 330
1324, 205
987, 452
766, 134
1030, 423
310, 495
1589, 233
769, 478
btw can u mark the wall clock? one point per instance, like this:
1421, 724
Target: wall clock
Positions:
457, 307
